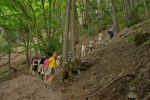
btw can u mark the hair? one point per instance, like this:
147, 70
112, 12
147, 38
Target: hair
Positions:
50, 53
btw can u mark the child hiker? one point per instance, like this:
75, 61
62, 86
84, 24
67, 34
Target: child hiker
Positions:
45, 67
110, 31
100, 38
34, 65
51, 68
59, 61
83, 50
91, 47
40, 67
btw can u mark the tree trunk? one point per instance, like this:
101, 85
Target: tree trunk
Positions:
66, 32
128, 13
49, 17
114, 17
86, 12
44, 16
73, 29
76, 25
146, 9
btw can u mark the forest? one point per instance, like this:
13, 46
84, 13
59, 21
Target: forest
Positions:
103, 46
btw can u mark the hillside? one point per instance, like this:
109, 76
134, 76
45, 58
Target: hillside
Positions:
115, 69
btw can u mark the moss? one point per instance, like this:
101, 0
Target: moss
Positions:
135, 82
24, 62
148, 42
70, 69
6, 75
142, 38
131, 39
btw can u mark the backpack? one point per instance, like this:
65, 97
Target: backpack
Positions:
35, 61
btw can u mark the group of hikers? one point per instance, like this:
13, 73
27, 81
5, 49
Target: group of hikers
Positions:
89, 47
45, 66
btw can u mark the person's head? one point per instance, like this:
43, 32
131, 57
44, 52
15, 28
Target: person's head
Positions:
103, 32
59, 57
36, 57
54, 54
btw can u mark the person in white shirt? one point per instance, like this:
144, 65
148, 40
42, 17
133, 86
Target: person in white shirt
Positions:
110, 31
100, 38
91, 47
83, 50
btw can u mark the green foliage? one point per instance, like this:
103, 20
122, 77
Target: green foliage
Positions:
25, 19
6, 75
131, 39
24, 62
148, 42
135, 82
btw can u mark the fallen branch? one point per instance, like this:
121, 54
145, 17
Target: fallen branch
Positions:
12, 58
108, 86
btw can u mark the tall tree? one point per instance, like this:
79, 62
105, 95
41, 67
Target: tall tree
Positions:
73, 28
128, 13
66, 32
114, 17
146, 9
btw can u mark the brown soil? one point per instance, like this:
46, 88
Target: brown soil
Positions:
26, 87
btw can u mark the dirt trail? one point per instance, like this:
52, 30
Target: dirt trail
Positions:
26, 87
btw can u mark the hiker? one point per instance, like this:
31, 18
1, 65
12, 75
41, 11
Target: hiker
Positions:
58, 61
40, 67
34, 65
45, 67
51, 68
83, 50
110, 31
91, 47
100, 38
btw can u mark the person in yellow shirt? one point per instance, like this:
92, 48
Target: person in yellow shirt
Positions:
51, 68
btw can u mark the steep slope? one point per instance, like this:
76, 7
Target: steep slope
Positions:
116, 68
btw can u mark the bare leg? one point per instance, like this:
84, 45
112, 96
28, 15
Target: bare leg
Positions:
50, 80
30, 69
33, 73
84, 53
81, 54
45, 78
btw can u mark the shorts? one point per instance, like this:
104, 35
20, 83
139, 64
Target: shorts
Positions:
50, 71
42, 71
40, 67
91, 48
83, 51
34, 67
